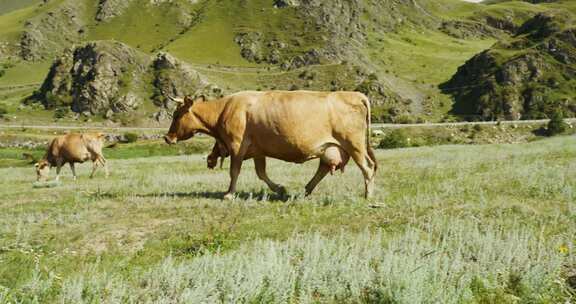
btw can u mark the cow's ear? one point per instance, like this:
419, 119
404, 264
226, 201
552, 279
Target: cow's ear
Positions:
201, 98
36, 165
188, 100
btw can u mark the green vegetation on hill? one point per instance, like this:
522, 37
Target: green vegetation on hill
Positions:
529, 76
7, 6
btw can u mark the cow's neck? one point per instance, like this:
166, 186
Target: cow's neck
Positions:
209, 113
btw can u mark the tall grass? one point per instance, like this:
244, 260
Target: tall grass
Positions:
438, 261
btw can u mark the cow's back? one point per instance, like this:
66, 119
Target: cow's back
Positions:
297, 125
69, 148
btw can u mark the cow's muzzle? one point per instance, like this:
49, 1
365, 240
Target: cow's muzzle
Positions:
170, 140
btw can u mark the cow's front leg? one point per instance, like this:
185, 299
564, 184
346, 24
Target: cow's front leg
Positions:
59, 163
73, 169
260, 164
237, 153
323, 169
94, 167
235, 166
104, 165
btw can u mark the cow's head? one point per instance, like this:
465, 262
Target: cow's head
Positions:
42, 170
184, 122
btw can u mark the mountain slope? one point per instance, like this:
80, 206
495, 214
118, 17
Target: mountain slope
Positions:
529, 76
396, 51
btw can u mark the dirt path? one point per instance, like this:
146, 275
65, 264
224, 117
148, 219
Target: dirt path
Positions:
374, 126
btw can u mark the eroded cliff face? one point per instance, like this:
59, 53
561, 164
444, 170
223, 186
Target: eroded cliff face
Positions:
108, 77
108, 9
96, 78
172, 77
50, 33
528, 76
329, 32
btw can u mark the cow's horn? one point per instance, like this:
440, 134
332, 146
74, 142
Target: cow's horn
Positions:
176, 100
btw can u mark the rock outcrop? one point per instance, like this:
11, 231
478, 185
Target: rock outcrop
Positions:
328, 32
96, 78
174, 78
108, 9
529, 76
109, 77
48, 34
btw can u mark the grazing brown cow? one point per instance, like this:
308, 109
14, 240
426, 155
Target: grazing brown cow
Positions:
294, 126
218, 152
72, 148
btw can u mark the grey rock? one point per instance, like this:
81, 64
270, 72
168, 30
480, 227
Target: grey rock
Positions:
49, 33
96, 78
108, 9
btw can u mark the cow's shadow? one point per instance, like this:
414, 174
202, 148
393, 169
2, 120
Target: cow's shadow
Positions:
240, 195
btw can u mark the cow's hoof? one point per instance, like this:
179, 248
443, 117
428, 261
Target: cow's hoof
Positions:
229, 196
280, 190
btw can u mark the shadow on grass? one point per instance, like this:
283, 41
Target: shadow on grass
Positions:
241, 195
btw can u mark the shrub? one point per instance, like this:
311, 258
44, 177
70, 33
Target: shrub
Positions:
405, 119
61, 112
556, 125
130, 137
3, 111
52, 101
394, 139
127, 119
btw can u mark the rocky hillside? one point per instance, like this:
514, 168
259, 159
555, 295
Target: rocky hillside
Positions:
108, 58
108, 77
528, 76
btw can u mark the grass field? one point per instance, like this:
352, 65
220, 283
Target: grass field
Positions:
449, 224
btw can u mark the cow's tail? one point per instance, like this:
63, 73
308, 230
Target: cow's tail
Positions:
366, 102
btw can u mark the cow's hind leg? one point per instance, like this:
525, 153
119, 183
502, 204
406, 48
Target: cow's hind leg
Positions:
368, 167
323, 169
260, 164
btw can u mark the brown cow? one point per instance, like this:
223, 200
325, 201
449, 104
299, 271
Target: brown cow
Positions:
292, 126
218, 152
72, 148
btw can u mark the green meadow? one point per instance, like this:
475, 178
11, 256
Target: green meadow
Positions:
448, 224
